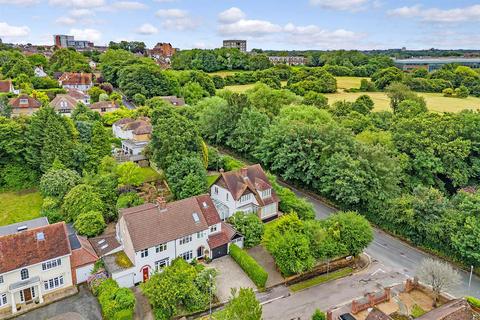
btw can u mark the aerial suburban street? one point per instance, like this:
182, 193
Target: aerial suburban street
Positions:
395, 255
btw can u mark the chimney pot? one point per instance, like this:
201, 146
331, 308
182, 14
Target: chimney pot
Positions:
243, 172
221, 170
161, 203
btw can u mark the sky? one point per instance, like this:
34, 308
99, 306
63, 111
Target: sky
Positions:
265, 24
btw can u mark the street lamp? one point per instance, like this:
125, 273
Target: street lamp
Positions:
211, 286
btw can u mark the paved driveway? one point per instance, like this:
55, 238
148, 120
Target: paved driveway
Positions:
265, 259
230, 275
82, 306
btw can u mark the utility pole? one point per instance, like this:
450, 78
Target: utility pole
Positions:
211, 285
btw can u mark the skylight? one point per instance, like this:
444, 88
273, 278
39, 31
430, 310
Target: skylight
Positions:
101, 241
40, 236
104, 246
195, 217
205, 205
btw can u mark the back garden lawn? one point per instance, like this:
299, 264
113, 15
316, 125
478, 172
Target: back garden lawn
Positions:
19, 206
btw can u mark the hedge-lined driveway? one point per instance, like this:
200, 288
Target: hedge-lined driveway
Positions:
265, 259
230, 275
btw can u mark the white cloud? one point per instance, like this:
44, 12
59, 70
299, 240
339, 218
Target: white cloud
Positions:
164, 1
129, 5
147, 29
9, 31
77, 3
471, 13
66, 21
177, 19
312, 35
351, 5
249, 28
79, 13
19, 2
233, 14
86, 34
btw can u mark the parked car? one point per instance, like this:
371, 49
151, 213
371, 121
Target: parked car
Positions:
346, 316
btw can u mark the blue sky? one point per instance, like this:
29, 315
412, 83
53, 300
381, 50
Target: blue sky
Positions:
266, 24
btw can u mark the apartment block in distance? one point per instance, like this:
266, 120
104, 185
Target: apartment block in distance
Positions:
238, 44
65, 41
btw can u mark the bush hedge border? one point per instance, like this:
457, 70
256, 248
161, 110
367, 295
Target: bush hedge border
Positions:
251, 267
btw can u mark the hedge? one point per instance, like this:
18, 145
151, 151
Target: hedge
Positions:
116, 303
255, 271
474, 302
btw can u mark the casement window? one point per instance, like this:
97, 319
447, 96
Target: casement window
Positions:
187, 255
144, 253
160, 264
186, 239
24, 274
266, 193
246, 197
1, 279
53, 283
51, 264
215, 190
160, 248
226, 196
200, 235
3, 299
213, 228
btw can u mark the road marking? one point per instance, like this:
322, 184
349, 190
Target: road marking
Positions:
378, 270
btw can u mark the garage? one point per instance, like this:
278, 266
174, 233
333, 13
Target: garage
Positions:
124, 280
82, 273
220, 251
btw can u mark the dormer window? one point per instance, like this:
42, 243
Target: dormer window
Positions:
23, 101
24, 274
266, 193
246, 197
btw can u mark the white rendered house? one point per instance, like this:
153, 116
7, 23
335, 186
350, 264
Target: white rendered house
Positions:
247, 190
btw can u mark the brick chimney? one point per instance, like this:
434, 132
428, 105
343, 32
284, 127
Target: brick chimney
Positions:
161, 203
243, 173
222, 170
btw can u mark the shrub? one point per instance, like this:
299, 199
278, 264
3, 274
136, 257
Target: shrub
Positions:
250, 226
16, 177
82, 198
417, 311
128, 200
57, 183
318, 315
125, 314
256, 272
90, 224
448, 92
117, 303
231, 163
474, 302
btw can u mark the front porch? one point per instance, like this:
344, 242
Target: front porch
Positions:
18, 307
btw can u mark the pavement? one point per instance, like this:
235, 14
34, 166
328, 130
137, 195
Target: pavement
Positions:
143, 310
82, 306
230, 275
395, 255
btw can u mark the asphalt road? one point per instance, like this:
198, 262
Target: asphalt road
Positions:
394, 255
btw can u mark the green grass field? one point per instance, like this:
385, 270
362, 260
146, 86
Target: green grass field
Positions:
225, 73
348, 82
321, 279
211, 179
149, 174
19, 206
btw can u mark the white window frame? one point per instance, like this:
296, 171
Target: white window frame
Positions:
161, 248
213, 228
3, 299
246, 197
186, 239
266, 193
51, 264
144, 253
53, 283
200, 235
215, 190
1, 279
24, 274
187, 256
163, 261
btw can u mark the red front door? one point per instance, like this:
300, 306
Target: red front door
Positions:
145, 274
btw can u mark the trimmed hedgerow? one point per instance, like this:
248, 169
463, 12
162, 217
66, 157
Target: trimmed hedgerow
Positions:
255, 271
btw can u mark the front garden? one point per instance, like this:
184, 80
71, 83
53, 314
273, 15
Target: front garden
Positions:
17, 206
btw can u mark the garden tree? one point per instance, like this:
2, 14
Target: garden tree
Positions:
363, 104
177, 285
318, 315
103, 97
17, 176
259, 62
439, 275
193, 92
38, 60
41, 96
139, 99
81, 199
129, 174
44, 83
420, 73
84, 113
110, 118
117, 303
249, 130
448, 92
354, 231
58, 182
187, 177
304, 80
384, 77
398, 92
128, 200
173, 137
100, 141
5, 107
21, 66
107, 87
243, 305
105, 183
380, 137
270, 101
466, 240
300, 114
49, 136
355, 121
315, 99
462, 92
250, 226
90, 223
66, 60
147, 79
410, 108
218, 81
94, 93
12, 140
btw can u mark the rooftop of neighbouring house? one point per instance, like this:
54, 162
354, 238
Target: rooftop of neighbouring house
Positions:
139, 126
75, 78
24, 225
33, 246
25, 101
152, 224
5, 85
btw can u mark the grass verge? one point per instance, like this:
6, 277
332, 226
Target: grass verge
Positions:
321, 279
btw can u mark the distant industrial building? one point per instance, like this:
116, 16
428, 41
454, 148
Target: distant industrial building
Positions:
64, 41
291, 61
432, 64
238, 44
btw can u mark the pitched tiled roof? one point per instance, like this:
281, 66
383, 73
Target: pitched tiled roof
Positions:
73, 78
249, 179
123, 121
84, 255
208, 209
148, 225
57, 102
103, 104
5, 85
26, 248
77, 94
377, 314
217, 240
104, 244
140, 126
458, 309
29, 102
